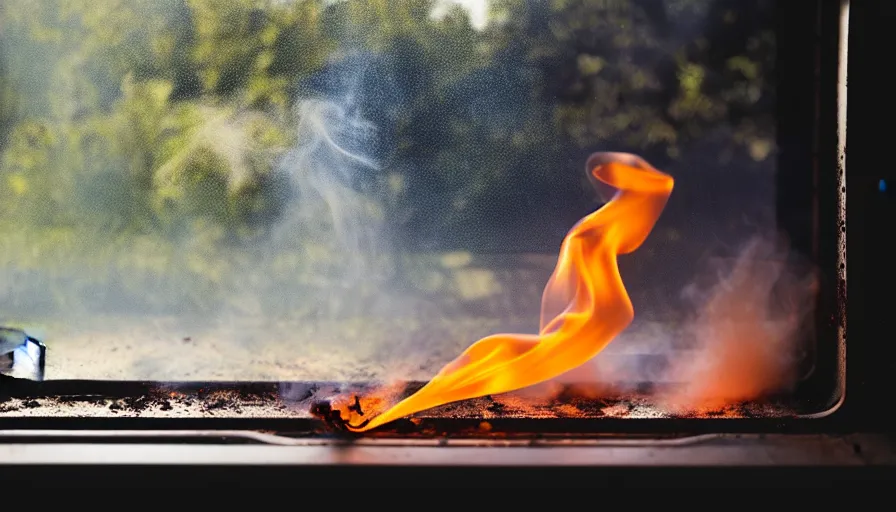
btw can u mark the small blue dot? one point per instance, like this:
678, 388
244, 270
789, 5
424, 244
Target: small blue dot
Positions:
882, 185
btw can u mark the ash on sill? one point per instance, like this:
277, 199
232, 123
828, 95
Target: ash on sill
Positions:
268, 400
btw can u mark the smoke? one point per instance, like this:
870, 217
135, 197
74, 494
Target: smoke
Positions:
749, 333
326, 169
193, 302
749, 337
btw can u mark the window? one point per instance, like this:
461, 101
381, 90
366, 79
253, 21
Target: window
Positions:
339, 195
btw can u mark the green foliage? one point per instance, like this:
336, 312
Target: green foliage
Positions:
139, 139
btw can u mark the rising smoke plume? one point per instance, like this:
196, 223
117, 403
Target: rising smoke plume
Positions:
749, 332
324, 168
747, 338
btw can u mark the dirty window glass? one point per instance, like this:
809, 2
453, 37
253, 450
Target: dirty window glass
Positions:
360, 189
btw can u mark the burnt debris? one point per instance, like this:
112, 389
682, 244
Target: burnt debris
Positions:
356, 407
332, 418
223, 400
323, 410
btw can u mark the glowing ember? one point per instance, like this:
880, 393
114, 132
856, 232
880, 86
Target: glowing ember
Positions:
584, 305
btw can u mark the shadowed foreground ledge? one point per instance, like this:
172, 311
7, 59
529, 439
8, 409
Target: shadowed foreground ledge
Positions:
724, 461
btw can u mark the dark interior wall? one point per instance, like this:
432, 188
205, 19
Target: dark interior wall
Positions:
871, 352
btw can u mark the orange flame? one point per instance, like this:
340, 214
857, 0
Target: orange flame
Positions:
584, 305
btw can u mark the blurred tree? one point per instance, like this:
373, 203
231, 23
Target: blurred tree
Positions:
257, 49
166, 119
8, 102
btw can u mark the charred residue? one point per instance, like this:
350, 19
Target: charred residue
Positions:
314, 403
87, 399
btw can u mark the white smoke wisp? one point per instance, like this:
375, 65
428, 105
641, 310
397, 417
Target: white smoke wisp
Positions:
326, 170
